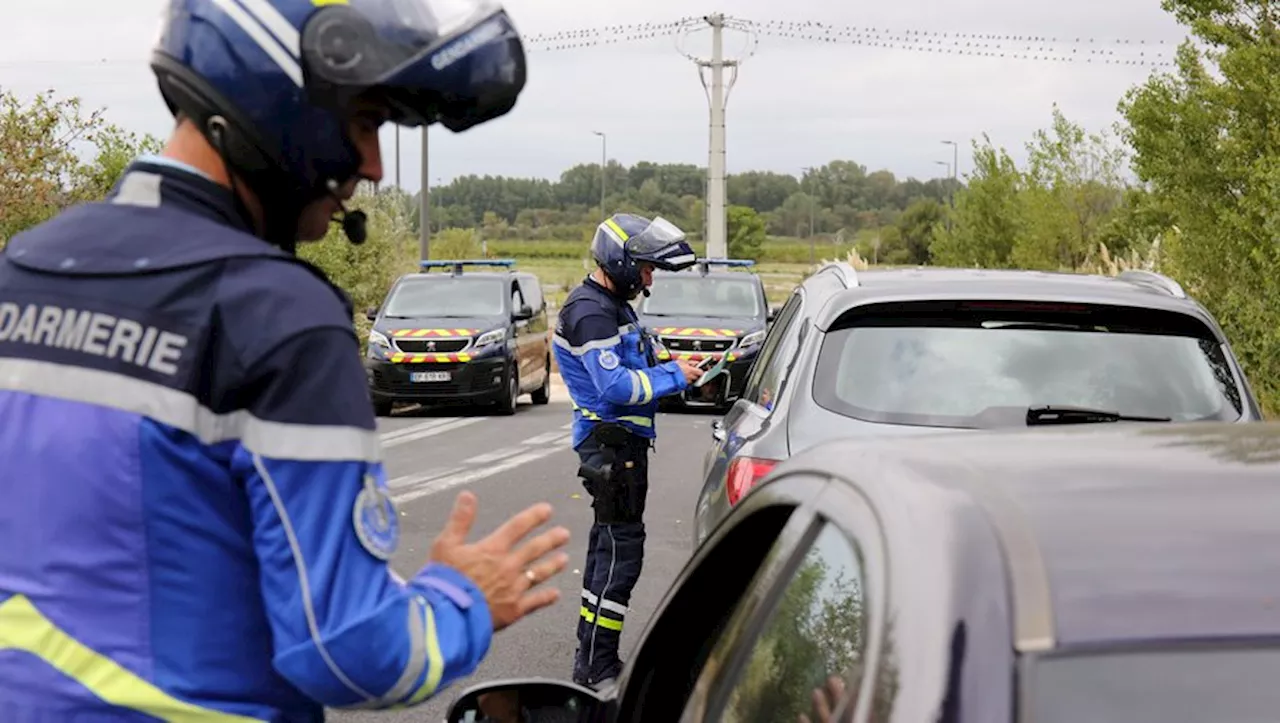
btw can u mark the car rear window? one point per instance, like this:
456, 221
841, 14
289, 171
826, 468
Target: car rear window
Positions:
983, 364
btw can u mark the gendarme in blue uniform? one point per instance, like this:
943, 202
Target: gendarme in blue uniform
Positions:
613, 377
195, 522
608, 363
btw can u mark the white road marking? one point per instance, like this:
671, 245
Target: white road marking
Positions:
434, 482
400, 432
544, 438
415, 433
413, 479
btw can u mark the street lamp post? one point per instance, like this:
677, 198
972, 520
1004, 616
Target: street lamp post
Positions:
604, 145
955, 170
813, 255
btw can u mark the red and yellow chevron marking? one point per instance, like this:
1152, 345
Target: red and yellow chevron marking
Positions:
420, 333
432, 358
679, 331
693, 356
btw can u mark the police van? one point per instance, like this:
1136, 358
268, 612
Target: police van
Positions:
460, 337
706, 315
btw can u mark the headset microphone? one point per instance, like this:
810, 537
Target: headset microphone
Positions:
354, 223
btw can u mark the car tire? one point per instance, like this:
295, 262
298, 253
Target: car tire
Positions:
507, 402
382, 408
542, 395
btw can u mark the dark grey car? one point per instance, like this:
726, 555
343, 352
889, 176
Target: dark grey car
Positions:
1088, 574
919, 351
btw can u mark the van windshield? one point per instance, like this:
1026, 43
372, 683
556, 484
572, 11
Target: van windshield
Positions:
693, 295
447, 296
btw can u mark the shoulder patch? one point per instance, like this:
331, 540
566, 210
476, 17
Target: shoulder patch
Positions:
376, 520
608, 360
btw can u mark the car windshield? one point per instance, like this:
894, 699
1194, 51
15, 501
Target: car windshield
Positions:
1161, 686
986, 369
693, 295
447, 296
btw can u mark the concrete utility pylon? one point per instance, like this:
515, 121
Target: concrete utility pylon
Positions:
717, 96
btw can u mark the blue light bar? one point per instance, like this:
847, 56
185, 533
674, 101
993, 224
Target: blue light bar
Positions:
457, 264
704, 265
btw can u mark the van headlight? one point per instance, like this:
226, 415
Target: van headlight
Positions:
491, 337
380, 340
752, 339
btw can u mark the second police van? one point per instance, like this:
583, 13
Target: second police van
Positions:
706, 315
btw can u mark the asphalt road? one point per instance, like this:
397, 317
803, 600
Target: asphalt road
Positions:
513, 462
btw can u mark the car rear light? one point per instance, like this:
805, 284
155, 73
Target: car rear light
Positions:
744, 473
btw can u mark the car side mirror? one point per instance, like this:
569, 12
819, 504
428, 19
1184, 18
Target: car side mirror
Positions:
525, 312
773, 314
508, 700
371, 313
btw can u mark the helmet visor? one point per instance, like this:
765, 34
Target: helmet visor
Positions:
659, 235
427, 60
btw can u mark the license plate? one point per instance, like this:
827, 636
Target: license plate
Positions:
428, 376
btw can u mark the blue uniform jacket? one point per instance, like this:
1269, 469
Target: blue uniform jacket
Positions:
609, 364
186, 432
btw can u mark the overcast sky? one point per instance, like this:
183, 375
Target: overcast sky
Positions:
796, 102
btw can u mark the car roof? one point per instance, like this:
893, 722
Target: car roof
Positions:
1139, 531
1131, 288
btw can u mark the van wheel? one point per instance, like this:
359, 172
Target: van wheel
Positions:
542, 395
507, 402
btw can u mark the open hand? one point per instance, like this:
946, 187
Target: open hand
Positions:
506, 574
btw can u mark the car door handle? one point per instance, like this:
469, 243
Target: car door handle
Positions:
717, 430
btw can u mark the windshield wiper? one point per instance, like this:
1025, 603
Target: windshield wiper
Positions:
1081, 415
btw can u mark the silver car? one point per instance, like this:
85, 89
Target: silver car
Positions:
935, 351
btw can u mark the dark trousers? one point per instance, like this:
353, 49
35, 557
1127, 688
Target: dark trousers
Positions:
615, 555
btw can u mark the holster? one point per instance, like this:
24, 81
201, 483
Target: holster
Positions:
612, 483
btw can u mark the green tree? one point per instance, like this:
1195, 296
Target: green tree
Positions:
990, 214
366, 272
916, 229
746, 232
1073, 188
41, 170
1206, 139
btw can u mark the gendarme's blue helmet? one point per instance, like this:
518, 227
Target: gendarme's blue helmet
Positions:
624, 241
270, 82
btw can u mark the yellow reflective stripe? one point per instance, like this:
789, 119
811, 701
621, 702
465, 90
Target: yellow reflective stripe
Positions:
602, 621
22, 627
435, 662
638, 421
617, 229
647, 386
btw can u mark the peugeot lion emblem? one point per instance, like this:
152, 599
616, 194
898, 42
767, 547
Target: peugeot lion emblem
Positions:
431, 346
697, 345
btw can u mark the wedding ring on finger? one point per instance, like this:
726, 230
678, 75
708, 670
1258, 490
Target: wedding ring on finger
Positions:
528, 573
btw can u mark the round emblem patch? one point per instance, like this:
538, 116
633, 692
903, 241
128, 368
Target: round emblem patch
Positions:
376, 521
608, 359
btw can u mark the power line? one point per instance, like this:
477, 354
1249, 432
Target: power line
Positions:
1002, 46
994, 45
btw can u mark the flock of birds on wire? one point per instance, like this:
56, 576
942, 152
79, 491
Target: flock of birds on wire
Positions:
1107, 51
1082, 50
